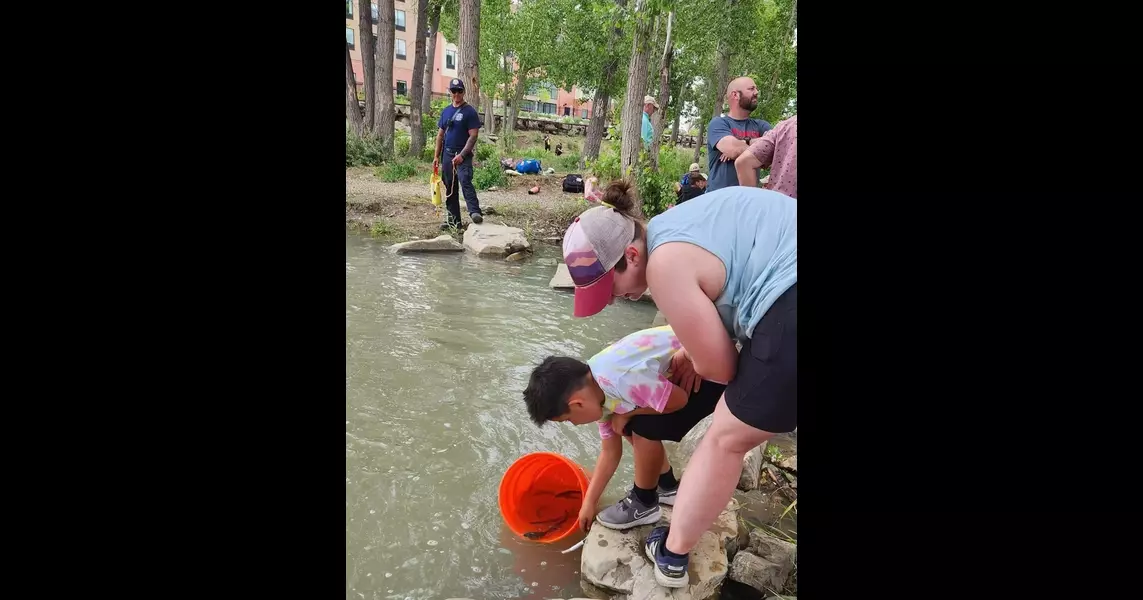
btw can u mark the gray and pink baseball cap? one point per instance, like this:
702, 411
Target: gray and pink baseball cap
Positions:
593, 244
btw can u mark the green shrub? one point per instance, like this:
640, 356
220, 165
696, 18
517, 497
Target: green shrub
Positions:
402, 143
488, 175
363, 152
396, 171
607, 166
427, 152
568, 161
429, 122
656, 189
485, 151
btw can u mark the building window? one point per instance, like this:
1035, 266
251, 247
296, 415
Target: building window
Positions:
567, 110
399, 19
373, 9
402, 88
400, 48
349, 37
583, 114
548, 108
348, 9
528, 106
450, 59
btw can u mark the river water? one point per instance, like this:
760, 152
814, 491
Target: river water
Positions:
438, 349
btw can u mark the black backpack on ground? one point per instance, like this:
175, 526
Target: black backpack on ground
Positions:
573, 183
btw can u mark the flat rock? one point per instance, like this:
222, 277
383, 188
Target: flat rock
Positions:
441, 243
660, 320
489, 239
562, 279
751, 463
614, 562
790, 464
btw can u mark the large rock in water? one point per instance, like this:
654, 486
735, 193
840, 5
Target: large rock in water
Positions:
615, 561
562, 279
441, 243
766, 565
488, 239
751, 463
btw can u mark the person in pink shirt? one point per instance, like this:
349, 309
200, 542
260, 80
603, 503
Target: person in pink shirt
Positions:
778, 149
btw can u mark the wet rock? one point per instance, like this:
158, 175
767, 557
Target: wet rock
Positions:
790, 463
521, 255
441, 243
751, 469
614, 562
660, 320
593, 592
751, 463
779, 552
488, 239
766, 565
562, 279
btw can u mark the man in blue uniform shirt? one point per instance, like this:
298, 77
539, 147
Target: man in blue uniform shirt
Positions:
456, 135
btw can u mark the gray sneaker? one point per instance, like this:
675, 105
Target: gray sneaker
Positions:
668, 496
627, 513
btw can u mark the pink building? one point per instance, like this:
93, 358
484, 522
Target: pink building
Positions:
543, 98
405, 21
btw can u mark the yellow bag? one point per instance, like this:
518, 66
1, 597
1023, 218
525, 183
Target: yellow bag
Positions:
436, 184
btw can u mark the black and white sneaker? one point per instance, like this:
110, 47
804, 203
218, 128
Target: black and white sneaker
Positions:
669, 572
668, 496
629, 512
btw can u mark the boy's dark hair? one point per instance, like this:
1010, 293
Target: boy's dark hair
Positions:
551, 384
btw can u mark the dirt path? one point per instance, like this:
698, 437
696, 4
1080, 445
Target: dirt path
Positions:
403, 210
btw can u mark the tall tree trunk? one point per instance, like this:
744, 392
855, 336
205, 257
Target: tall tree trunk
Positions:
721, 76
602, 99
507, 82
660, 117
416, 131
517, 98
431, 58
352, 108
365, 32
468, 47
782, 52
653, 63
680, 104
698, 145
383, 119
632, 118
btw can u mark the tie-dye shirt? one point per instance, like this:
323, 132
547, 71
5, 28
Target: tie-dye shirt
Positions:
633, 373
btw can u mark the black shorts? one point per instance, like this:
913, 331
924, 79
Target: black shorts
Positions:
674, 426
764, 393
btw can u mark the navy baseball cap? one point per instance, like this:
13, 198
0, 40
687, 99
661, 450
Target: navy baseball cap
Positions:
456, 85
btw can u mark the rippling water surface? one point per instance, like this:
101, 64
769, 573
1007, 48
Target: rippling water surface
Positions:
437, 352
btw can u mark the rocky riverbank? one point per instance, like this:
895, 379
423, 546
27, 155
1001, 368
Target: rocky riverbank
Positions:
402, 211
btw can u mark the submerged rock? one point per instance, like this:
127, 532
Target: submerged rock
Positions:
487, 239
521, 255
441, 243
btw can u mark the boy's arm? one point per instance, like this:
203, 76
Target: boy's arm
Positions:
605, 467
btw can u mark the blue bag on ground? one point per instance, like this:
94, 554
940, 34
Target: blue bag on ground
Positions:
528, 166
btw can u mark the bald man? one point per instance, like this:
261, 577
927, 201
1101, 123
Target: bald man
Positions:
729, 136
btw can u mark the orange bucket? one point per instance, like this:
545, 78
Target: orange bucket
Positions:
540, 496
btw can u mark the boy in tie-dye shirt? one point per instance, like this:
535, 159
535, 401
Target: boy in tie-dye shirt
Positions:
630, 390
